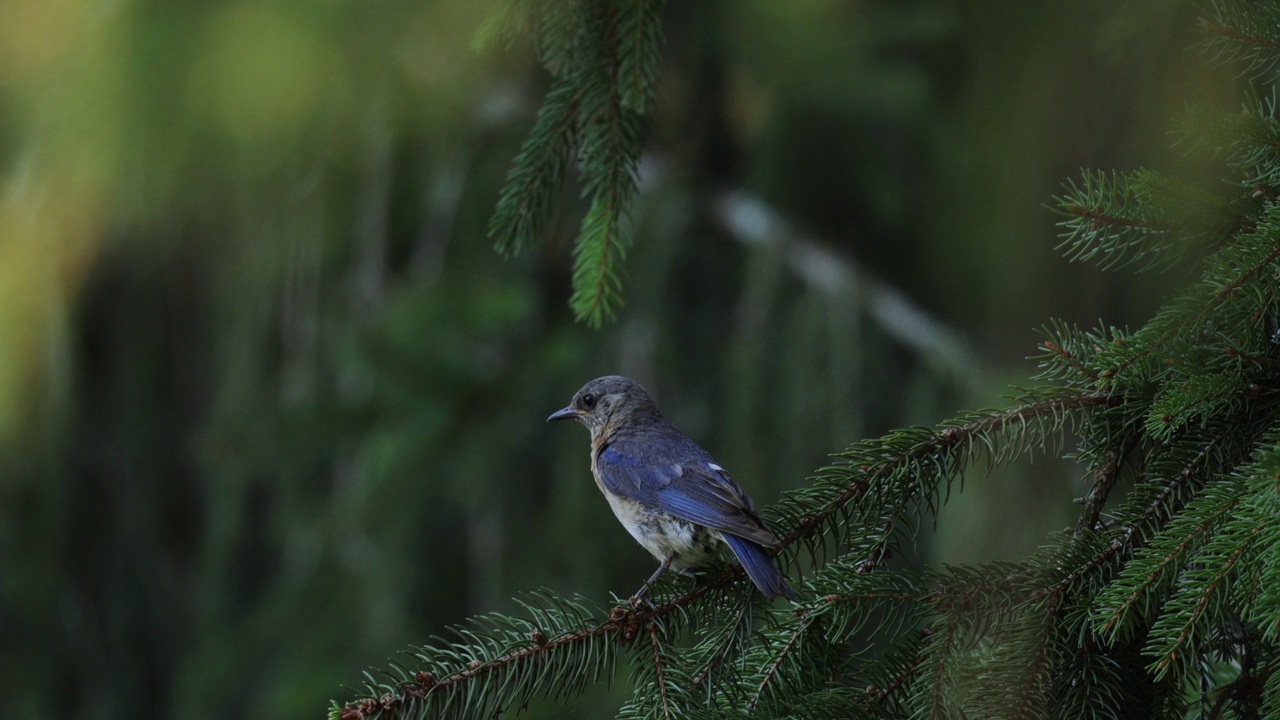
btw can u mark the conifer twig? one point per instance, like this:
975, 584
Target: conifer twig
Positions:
936, 694
907, 673
657, 666
1104, 478
1202, 602
1130, 538
947, 437
625, 623
1219, 295
782, 655
1231, 33
723, 650
1040, 656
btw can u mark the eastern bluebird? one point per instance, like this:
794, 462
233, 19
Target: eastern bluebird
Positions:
666, 490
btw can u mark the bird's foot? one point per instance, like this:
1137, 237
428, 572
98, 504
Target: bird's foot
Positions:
641, 595
641, 598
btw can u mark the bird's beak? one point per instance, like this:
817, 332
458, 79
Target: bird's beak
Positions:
563, 413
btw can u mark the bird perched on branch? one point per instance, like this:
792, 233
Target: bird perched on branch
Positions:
666, 490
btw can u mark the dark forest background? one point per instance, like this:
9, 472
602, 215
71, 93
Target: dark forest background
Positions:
271, 406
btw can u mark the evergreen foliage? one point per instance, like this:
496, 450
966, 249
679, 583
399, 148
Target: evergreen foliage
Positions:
1164, 600
604, 57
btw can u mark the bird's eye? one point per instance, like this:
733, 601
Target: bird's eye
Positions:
589, 400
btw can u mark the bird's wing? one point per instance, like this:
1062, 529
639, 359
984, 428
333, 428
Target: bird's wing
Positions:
685, 483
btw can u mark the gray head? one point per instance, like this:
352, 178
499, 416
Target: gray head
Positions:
608, 404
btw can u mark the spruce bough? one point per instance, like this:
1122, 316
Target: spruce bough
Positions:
1162, 600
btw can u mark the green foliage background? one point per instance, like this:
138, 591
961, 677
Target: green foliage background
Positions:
271, 404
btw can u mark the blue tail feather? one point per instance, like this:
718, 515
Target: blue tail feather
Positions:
760, 567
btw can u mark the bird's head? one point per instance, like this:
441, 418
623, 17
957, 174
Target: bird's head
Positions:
608, 404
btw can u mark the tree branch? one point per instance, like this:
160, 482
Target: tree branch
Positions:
626, 623
782, 655
1104, 475
1218, 296
657, 666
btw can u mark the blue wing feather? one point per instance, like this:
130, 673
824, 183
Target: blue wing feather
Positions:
687, 483
690, 486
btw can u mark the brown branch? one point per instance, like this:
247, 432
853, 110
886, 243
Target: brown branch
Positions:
782, 655
1203, 601
1070, 359
1104, 475
1231, 33
936, 697
898, 682
1097, 217
657, 666
1256, 359
1210, 304
1126, 539
625, 622
945, 438
1038, 661
721, 652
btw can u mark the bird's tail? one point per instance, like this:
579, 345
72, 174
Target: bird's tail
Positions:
760, 567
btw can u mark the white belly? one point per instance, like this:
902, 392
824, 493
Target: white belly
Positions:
664, 535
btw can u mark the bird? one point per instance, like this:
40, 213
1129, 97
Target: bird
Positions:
667, 491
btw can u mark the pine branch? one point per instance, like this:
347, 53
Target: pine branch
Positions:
1184, 614
879, 694
1138, 523
537, 172
823, 638
1063, 354
601, 245
1249, 141
806, 622
1234, 293
527, 645
611, 145
1194, 398
605, 56
640, 41
881, 478
723, 639
1179, 317
1103, 478
1142, 218
1030, 701
1245, 32
562, 31
657, 665
937, 654
1156, 570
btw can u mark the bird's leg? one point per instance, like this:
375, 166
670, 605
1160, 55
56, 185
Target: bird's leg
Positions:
639, 597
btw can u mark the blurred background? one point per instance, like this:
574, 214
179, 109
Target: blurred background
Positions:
271, 408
